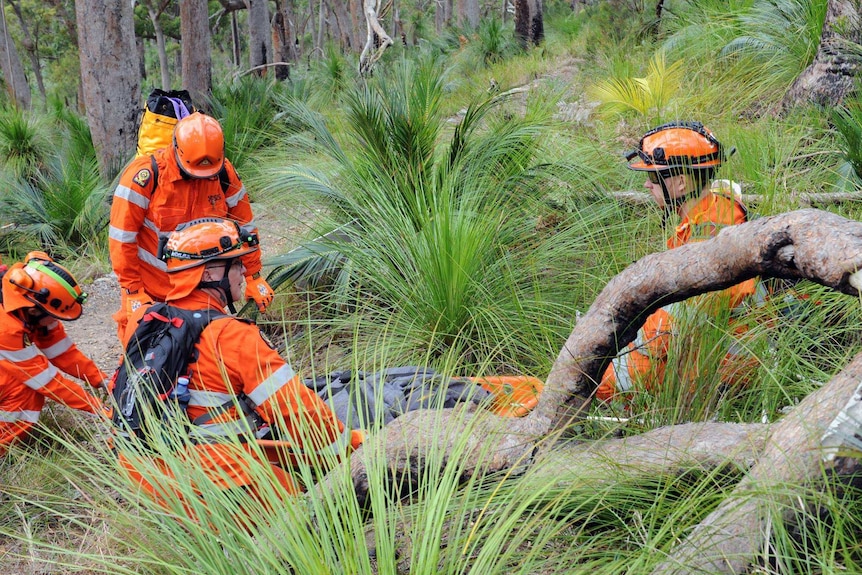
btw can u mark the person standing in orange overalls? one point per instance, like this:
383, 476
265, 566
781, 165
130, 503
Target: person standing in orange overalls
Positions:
34, 347
234, 366
189, 179
679, 160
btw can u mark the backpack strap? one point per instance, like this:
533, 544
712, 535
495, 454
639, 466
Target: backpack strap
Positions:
154, 166
224, 180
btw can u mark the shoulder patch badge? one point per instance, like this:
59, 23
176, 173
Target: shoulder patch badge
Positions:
142, 178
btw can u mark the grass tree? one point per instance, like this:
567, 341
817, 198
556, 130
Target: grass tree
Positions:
52, 192
432, 228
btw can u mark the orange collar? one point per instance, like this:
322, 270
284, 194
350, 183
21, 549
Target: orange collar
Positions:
702, 221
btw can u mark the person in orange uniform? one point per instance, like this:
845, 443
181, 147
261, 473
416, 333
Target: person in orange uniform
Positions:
206, 264
680, 160
189, 179
34, 347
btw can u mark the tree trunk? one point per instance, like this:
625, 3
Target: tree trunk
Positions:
236, 40
109, 78
529, 23
32, 46
811, 244
13, 72
342, 20
164, 68
832, 74
468, 13
283, 38
259, 39
196, 50
442, 14
356, 20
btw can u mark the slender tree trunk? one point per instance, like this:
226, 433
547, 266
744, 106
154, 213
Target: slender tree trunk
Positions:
468, 13
259, 38
529, 22
109, 78
31, 45
283, 42
342, 20
196, 53
236, 52
318, 46
164, 67
356, 21
13, 72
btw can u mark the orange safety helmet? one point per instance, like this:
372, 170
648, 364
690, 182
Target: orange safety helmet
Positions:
677, 146
40, 282
195, 243
199, 145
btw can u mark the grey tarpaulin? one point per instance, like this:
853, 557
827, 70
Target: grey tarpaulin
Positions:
362, 400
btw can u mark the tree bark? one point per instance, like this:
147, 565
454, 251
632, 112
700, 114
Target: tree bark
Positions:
13, 72
342, 20
529, 22
468, 13
31, 45
733, 535
811, 244
154, 12
442, 14
109, 78
832, 74
376, 39
196, 50
283, 38
259, 39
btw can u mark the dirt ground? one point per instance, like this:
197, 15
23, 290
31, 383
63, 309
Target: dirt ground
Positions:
95, 332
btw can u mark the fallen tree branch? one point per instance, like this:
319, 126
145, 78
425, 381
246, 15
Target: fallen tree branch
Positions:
731, 537
806, 244
804, 200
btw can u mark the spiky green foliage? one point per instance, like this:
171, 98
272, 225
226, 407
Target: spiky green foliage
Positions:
53, 194
848, 122
651, 96
781, 36
247, 112
435, 231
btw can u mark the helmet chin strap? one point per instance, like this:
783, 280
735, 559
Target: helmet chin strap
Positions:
223, 285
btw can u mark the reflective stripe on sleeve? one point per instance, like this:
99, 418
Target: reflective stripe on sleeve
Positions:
235, 199
122, 236
58, 348
269, 386
152, 260
41, 379
132, 196
18, 355
26, 415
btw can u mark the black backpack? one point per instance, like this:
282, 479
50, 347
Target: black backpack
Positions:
158, 353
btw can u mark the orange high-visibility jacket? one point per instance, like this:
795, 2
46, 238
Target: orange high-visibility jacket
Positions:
139, 217
643, 364
234, 359
30, 362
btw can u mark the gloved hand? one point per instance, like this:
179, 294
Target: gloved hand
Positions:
132, 301
257, 289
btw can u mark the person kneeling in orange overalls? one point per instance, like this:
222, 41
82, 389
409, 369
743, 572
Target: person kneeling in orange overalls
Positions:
34, 348
680, 159
239, 387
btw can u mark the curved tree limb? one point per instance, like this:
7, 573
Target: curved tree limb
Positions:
811, 244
